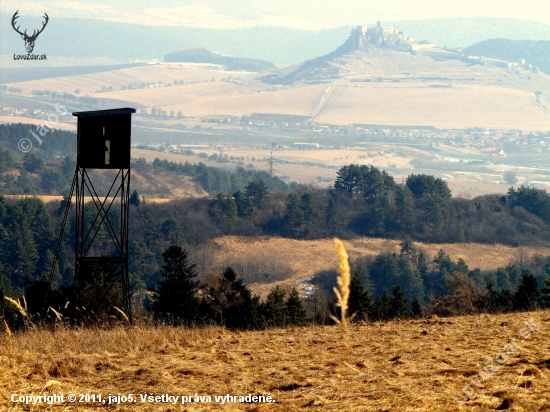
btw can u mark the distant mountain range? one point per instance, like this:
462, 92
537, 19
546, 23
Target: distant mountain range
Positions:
463, 32
231, 63
80, 38
536, 53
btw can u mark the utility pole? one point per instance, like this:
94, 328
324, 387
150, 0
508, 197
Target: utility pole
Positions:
271, 165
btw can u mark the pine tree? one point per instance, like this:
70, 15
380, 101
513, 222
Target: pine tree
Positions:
405, 206
176, 295
515, 274
134, 198
245, 207
68, 167
171, 229
416, 309
422, 263
243, 312
309, 213
360, 303
527, 294
232, 303
413, 285
257, 191
398, 304
444, 263
274, 310
503, 279
385, 272
228, 209
330, 217
295, 309
294, 216
461, 266
382, 307
477, 276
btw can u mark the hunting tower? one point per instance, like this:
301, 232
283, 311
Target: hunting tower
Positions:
101, 227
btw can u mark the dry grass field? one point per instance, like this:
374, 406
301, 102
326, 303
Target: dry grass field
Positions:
306, 257
154, 73
227, 98
460, 106
415, 365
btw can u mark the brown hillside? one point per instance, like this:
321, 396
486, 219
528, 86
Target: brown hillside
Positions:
306, 257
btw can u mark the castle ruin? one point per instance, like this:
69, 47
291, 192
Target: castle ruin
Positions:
387, 37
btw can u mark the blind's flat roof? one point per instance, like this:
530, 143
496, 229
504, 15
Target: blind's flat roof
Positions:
110, 112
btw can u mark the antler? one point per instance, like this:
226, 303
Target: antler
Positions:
15, 16
34, 34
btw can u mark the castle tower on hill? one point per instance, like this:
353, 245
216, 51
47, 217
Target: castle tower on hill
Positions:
387, 37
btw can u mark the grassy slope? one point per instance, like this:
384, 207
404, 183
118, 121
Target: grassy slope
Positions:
401, 365
306, 257
483, 96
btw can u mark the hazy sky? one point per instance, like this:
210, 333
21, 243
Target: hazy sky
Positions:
303, 14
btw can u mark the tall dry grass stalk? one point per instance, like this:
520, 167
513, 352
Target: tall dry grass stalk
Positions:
8, 331
56, 313
344, 279
18, 306
122, 313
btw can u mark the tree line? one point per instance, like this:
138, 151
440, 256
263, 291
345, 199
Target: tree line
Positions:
181, 300
411, 284
178, 299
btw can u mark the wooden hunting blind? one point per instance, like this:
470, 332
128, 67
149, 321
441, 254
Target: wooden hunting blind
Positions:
101, 262
104, 138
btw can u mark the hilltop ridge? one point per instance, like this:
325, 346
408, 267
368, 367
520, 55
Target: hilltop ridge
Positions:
231, 63
391, 53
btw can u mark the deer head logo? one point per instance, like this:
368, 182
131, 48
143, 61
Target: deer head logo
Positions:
29, 40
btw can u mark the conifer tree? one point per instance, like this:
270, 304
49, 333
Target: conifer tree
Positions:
405, 205
274, 310
309, 213
231, 302
257, 191
245, 207
176, 295
398, 304
360, 303
330, 217
294, 216
503, 279
413, 286
134, 198
228, 210
416, 309
527, 294
295, 309
382, 307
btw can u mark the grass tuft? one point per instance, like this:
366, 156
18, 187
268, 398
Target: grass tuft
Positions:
56, 313
18, 305
122, 313
8, 331
344, 279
